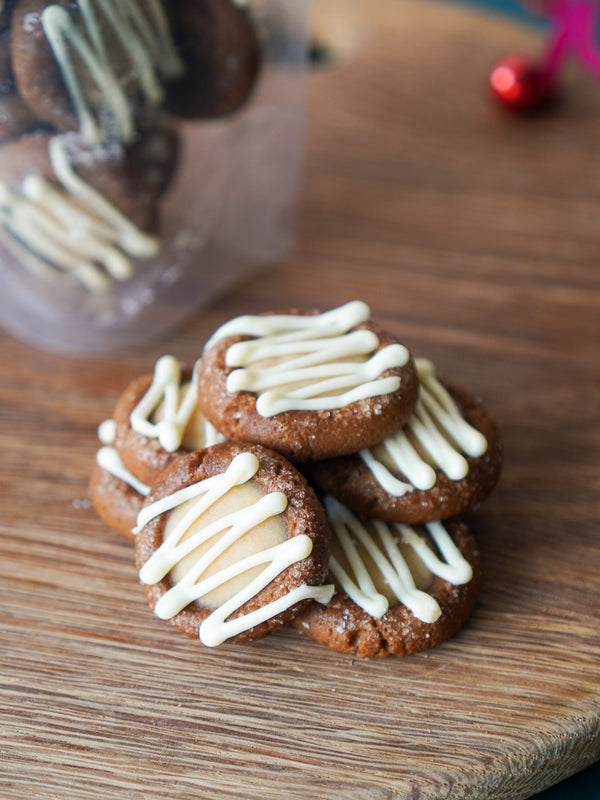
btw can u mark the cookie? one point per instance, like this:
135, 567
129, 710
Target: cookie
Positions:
445, 460
131, 179
231, 543
75, 213
399, 590
311, 386
91, 67
105, 181
221, 52
158, 419
116, 494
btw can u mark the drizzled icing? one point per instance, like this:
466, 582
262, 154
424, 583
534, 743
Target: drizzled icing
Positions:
71, 231
442, 437
176, 406
107, 431
220, 534
80, 47
381, 544
109, 459
315, 362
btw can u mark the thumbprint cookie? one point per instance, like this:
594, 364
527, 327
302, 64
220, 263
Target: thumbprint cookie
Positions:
398, 589
311, 386
231, 542
158, 419
116, 494
446, 459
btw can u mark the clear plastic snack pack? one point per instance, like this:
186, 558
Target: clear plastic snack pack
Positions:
149, 156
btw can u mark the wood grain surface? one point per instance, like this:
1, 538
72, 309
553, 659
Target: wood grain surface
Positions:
475, 237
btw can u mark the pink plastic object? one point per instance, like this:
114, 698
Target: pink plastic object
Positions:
574, 32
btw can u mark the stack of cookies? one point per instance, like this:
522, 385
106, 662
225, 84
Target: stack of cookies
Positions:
89, 96
307, 471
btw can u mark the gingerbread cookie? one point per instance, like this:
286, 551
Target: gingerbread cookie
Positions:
116, 494
71, 213
131, 179
91, 67
231, 543
399, 590
308, 385
444, 460
220, 50
158, 419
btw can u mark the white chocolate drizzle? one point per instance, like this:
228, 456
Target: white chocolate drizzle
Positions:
216, 628
443, 437
71, 231
381, 545
79, 43
107, 432
178, 407
109, 459
310, 362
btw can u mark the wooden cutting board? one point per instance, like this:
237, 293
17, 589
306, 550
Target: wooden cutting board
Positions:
476, 238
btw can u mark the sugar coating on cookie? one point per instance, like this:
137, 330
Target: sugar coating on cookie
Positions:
445, 459
399, 589
308, 385
231, 543
158, 418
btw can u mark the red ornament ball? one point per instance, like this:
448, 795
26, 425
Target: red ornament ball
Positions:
519, 84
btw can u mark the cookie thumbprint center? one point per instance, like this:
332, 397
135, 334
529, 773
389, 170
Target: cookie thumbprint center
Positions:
436, 437
220, 516
379, 565
204, 552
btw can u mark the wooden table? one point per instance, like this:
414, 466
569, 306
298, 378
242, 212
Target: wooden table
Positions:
476, 238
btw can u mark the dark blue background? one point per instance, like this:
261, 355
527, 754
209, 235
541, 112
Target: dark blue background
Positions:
505, 6
511, 7
585, 785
